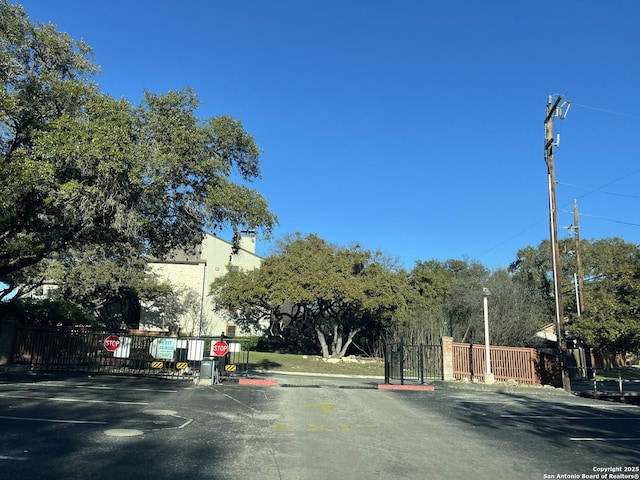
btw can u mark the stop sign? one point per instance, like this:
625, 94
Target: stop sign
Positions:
220, 348
111, 343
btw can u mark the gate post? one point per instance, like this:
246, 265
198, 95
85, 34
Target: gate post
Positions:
421, 363
7, 330
447, 359
402, 361
387, 361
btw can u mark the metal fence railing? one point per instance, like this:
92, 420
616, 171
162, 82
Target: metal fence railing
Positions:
124, 352
413, 363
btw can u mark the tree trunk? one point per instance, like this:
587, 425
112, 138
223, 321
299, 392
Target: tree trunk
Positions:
336, 344
339, 345
348, 342
323, 342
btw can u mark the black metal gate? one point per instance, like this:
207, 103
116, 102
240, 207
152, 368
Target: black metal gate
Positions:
47, 349
414, 363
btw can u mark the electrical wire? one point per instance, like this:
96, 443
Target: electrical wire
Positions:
582, 214
591, 190
507, 240
612, 112
598, 189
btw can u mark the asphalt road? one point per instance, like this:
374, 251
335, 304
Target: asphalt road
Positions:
307, 428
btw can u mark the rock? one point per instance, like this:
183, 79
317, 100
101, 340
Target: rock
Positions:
332, 360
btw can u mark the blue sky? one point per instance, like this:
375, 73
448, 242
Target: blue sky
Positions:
412, 127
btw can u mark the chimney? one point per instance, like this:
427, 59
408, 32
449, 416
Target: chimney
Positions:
248, 241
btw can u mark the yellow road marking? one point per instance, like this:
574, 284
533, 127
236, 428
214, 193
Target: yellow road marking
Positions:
328, 408
282, 427
318, 428
321, 427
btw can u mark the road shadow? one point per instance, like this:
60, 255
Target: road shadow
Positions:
264, 364
585, 426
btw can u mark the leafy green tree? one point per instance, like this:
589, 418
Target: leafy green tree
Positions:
462, 305
336, 292
449, 302
516, 313
109, 282
533, 267
43, 74
82, 172
430, 284
448, 295
611, 318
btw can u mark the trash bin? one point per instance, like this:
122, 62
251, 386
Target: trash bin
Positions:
206, 368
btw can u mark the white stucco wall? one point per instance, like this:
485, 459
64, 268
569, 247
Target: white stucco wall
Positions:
193, 274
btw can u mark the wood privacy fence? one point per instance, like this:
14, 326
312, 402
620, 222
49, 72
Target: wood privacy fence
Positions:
515, 363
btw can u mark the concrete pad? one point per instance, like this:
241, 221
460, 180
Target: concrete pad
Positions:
259, 382
423, 388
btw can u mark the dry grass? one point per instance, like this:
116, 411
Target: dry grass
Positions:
284, 362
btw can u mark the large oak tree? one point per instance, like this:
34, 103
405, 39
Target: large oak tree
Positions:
85, 177
335, 291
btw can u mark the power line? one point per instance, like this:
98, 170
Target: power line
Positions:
610, 183
593, 190
507, 240
589, 192
605, 218
612, 112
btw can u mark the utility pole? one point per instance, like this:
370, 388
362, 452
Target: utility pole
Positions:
554, 110
576, 231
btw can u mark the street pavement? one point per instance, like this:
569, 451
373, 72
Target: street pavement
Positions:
74, 427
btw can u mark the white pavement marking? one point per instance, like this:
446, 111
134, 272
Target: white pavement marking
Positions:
160, 412
234, 399
89, 387
6, 457
605, 439
169, 413
185, 424
562, 417
64, 399
53, 420
123, 432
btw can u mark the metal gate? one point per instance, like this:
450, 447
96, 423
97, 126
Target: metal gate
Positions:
414, 363
50, 349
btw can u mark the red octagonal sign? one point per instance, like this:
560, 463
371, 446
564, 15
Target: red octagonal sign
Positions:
220, 348
111, 343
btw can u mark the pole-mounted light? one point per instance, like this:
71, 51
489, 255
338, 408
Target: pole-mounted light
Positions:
488, 375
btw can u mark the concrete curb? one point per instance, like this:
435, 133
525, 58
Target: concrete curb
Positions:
421, 388
275, 383
501, 388
258, 381
304, 374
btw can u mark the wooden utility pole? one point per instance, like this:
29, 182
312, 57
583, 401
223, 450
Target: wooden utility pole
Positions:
553, 111
576, 231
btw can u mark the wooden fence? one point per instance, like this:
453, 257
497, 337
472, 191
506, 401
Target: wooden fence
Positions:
507, 363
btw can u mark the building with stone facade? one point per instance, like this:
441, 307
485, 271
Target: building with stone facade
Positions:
191, 274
